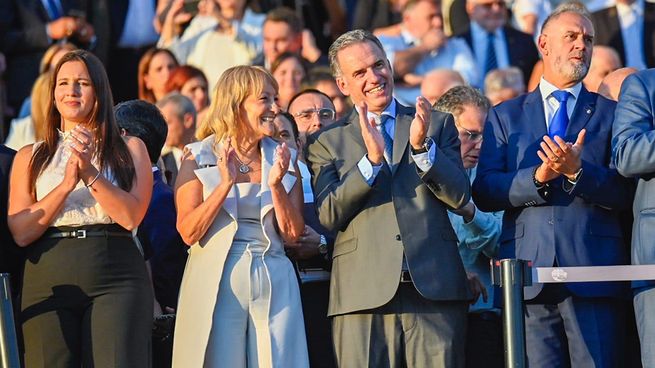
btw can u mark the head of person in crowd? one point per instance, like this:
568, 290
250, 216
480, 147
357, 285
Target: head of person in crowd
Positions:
141, 119
469, 108
312, 110
180, 116
191, 82
422, 16
503, 84
53, 54
488, 14
282, 32
604, 60
437, 82
40, 102
79, 94
286, 131
321, 79
230, 9
566, 45
155, 67
289, 70
362, 70
611, 84
248, 111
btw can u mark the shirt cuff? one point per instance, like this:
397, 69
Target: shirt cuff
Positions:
368, 170
425, 160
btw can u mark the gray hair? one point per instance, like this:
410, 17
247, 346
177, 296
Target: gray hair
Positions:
348, 39
454, 99
182, 104
500, 79
575, 7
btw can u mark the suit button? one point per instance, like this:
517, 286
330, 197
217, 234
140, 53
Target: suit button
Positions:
551, 222
398, 237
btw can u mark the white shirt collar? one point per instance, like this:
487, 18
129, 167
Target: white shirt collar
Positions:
408, 38
546, 88
390, 111
478, 31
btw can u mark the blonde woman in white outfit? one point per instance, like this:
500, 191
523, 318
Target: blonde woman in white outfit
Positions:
239, 199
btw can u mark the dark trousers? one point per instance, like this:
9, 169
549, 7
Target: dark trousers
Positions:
86, 302
408, 331
484, 340
315, 297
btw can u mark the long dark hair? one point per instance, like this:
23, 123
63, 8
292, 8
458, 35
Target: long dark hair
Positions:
111, 150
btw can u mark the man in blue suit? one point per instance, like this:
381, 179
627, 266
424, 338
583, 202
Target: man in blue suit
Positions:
632, 146
546, 163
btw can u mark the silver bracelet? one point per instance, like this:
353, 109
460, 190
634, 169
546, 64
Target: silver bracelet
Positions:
94, 180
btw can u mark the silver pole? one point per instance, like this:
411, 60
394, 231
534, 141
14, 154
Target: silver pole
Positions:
8, 341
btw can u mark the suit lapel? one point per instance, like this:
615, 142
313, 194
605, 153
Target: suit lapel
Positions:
584, 109
533, 114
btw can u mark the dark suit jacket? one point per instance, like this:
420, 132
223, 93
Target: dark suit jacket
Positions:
171, 168
23, 38
608, 31
10, 255
520, 46
402, 212
162, 243
579, 227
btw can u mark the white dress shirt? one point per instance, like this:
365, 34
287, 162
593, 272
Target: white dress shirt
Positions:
551, 104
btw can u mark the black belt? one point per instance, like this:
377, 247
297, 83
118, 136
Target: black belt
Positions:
81, 234
405, 276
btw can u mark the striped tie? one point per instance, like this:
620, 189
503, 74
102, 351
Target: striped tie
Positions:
388, 141
490, 63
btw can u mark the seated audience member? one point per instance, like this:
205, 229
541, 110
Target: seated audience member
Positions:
628, 26
604, 60
235, 39
373, 14
282, 32
155, 67
422, 47
321, 78
503, 84
311, 252
289, 70
191, 82
611, 84
311, 110
161, 241
180, 116
477, 232
48, 62
529, 15
437, 82
27, 130
509, 47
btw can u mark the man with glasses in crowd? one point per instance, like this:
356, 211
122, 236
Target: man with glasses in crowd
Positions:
546, 161
312, 110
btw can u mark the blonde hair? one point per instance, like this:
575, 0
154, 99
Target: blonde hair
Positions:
236, 84
40, 102
49, 55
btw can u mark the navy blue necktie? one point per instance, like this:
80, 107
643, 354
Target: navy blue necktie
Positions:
490, 62
388, 141
561, 119
53, 9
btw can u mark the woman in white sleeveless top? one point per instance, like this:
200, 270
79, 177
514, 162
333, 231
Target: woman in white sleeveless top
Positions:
239, 199
73, 200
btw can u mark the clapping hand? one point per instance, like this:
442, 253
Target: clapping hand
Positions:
563, 157
280, 166
226, 162
82, 146
371, 135
419, 128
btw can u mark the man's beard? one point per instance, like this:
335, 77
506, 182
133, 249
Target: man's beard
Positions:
575, 71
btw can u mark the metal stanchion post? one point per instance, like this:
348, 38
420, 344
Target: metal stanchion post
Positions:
8, 341
512, 275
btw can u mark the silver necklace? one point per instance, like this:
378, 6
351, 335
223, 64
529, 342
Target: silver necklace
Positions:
243, 168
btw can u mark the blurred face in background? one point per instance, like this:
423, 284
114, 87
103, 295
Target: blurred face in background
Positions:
158, 72
423, 17
289, 74
470, 125
196, 90
489, 14
231, 9
340, 102
284, 131
278, 38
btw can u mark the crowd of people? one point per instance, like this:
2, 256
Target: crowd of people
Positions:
324, 183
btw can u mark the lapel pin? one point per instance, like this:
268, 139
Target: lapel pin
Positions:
588, 111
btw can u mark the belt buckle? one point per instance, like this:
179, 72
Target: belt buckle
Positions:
80, 234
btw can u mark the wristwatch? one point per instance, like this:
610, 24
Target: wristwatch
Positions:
322, 245
427, 143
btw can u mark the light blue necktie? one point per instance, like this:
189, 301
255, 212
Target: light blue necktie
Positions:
388, 141
561, 119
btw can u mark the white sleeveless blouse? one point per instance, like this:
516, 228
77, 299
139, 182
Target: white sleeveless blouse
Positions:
80, 208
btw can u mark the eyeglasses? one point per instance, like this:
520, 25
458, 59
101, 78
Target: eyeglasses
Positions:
323, 114
470, 136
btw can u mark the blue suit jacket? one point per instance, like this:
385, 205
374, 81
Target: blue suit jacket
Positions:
634, 155
575, 227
